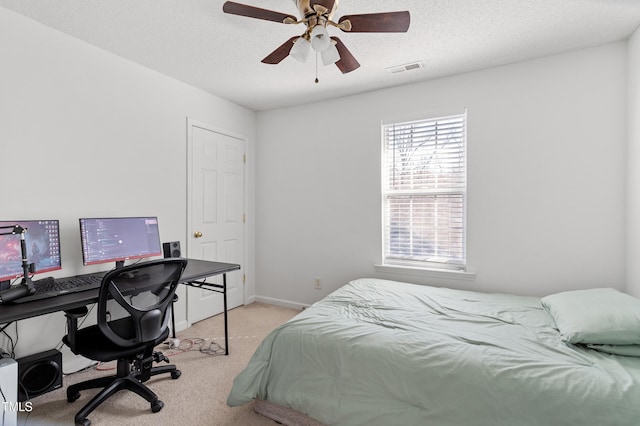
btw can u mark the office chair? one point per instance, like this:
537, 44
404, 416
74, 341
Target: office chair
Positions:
128, 329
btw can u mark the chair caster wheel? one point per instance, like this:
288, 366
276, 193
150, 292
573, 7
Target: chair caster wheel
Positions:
73, 397
176, 374
85, 422
157, 406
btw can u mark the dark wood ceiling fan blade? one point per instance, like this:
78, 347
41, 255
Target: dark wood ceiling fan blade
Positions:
326, 3
255, 12
281, 52
386, 22
347, 62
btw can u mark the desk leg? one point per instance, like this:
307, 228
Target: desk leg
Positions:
226, 331
173, 319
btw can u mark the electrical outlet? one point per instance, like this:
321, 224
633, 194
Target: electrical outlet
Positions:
318, 283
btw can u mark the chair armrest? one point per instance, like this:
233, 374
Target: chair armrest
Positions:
72, 324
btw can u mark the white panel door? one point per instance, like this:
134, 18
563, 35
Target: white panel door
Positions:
215, 214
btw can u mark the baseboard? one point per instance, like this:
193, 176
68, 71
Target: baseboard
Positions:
181, 325
280, 302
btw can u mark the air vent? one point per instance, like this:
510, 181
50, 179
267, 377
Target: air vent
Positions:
405, 67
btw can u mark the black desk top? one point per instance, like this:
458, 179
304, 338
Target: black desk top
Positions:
196, 270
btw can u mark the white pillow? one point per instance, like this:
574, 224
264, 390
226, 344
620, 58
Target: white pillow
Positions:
598, 316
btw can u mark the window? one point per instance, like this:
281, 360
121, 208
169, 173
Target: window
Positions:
424, 192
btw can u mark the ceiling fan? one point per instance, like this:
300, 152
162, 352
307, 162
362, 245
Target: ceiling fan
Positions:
316, 15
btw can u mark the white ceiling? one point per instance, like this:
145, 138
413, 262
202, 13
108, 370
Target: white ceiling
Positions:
194, 41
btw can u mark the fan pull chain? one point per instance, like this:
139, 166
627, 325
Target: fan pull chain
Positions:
317, 81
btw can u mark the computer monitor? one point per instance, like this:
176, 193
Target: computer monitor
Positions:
42, 241
116, 239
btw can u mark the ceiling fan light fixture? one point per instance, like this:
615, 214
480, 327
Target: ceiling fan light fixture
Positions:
300, 50
331, 55
320, 40
316, 16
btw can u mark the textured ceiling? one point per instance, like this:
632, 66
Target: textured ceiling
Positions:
194, 41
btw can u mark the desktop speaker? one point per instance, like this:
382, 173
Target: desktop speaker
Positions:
39, 373
171, 249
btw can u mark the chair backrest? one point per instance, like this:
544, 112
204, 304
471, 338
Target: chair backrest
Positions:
145, 292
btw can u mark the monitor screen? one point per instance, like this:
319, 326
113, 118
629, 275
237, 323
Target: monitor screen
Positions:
116, 239
42, 241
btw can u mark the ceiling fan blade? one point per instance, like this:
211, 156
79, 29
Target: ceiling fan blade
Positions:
347, 62
326, 3
255, 12
386, 22
281, 52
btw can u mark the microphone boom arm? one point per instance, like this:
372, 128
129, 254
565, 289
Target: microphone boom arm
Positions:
26, 267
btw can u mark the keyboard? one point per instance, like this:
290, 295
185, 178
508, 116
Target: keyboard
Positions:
49, 287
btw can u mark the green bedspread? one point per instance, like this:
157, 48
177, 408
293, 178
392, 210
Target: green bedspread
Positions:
379, 352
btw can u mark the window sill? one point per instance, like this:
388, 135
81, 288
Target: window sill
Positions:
426, 272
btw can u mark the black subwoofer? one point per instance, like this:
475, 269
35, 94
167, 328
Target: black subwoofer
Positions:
171, 249
39, 373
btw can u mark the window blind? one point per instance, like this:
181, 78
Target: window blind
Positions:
424, 191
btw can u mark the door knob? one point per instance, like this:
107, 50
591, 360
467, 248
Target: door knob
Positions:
197, 234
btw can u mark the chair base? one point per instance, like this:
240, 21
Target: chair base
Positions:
126, 379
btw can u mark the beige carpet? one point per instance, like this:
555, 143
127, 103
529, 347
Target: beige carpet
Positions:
198, 397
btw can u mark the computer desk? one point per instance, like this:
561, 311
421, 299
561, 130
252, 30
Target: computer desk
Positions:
194, 275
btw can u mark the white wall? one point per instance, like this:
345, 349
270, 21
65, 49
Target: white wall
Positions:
86, 133
633, 188
546, 193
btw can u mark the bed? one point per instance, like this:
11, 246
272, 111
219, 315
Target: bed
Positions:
377, 352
